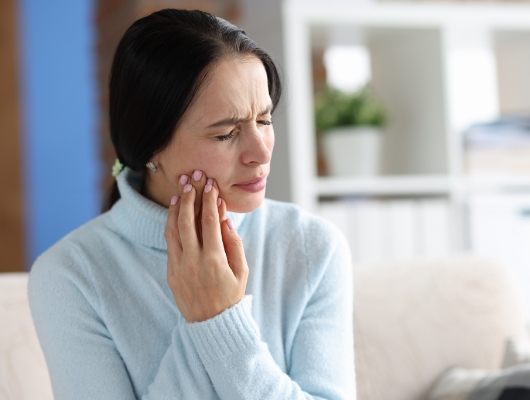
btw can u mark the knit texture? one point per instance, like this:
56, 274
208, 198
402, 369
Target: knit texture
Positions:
110, 328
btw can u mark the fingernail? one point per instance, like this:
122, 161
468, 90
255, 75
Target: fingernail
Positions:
197, 175
230, 224
187, 188
183, 179
218, 201
174, 200
208, 186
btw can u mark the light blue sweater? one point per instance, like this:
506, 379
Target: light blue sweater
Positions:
110, 328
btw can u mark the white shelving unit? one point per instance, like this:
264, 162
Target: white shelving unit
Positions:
414, 49
418, 63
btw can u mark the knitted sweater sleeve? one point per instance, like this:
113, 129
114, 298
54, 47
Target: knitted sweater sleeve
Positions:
321, 360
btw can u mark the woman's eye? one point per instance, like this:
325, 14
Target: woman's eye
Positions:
225, 137
265, 122
231, 135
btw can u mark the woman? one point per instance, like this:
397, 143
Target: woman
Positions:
192, 285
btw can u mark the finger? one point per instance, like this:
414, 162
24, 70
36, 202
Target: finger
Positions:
222, 213
198, 180
186, 220
221, 205
181, 182
211, 232
235, 252
174, 247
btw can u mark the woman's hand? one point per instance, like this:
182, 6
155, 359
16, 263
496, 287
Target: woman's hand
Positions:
207, 270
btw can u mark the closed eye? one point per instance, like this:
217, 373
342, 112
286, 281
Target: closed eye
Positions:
231, 135
265, 122
225, 137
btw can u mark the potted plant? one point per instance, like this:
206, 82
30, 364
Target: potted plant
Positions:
349, 126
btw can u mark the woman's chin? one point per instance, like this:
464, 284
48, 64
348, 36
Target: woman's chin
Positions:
245, 204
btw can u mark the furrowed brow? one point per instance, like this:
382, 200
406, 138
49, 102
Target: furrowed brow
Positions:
234, 120
225, 122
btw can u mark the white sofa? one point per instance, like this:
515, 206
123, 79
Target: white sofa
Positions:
412, 321
23, 372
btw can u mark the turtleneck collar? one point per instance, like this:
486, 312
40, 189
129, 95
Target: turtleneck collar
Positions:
143, 220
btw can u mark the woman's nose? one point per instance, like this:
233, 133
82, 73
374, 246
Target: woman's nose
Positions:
257, 147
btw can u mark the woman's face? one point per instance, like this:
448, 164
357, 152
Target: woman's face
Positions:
226, 133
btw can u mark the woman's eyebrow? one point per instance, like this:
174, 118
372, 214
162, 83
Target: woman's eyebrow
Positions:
234, 120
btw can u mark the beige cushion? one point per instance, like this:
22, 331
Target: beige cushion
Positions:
413, 320
23, 372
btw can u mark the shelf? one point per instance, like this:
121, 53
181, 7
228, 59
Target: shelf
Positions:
413, 14
391, 185
440, 185
474, 184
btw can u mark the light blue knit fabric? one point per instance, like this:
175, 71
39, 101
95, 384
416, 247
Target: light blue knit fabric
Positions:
110, 328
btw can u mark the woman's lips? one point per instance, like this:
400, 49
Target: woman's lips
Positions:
254, 185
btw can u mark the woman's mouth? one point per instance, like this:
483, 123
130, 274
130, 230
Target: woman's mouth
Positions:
254, 185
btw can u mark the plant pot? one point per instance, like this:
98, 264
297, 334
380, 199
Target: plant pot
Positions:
353, 151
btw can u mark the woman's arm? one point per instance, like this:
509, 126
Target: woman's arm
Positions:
207, 275
321, 361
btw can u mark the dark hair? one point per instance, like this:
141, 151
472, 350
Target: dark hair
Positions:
158, 67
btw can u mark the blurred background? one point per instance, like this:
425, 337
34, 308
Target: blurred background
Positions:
406, 124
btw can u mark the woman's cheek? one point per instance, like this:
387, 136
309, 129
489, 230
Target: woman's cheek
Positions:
216, 174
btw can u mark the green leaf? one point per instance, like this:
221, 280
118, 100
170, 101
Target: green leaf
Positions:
334, 108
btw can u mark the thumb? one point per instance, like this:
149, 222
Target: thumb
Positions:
235, 253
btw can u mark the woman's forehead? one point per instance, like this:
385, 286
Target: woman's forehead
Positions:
234, 88
230, 110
